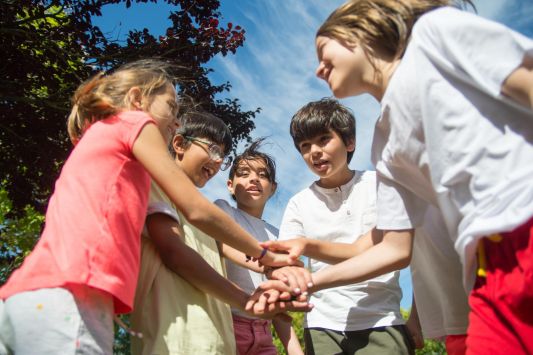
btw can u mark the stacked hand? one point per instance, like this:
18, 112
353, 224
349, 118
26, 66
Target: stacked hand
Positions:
287, 290
273, 297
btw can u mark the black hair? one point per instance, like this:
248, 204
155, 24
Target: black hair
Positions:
252, 152
203, 124
318, 117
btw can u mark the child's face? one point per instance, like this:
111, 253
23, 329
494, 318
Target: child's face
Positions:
346, 70
326, 154
251, 185
163, 108
193, 157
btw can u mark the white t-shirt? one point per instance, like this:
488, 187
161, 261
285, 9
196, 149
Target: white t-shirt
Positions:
247, 279
447, 137
342, 215
436, 271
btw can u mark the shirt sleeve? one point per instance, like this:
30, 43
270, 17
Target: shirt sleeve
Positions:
291, 223
467, 44
159, 203
397, 207
225, 206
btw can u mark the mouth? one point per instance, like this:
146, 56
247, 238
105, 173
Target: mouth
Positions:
320, 165
254, 190
208, 172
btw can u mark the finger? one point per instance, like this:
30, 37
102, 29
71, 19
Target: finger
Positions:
274, 284
293, 281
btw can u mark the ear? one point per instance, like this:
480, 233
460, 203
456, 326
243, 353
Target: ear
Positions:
134, 97
179, 144
229, 184
351, 145
274, 188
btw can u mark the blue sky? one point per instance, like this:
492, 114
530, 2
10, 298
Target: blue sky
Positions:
275, 71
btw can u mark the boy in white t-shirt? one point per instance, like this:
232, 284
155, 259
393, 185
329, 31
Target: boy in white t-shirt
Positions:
340, 207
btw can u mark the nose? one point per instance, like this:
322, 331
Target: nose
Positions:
320, 70
315, 149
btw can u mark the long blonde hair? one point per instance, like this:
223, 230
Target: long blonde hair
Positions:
383, 25
107, 94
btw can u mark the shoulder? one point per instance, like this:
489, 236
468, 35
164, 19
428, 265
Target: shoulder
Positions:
134, 117
160, 203
302, 196
444, 21
225, 206
368, 176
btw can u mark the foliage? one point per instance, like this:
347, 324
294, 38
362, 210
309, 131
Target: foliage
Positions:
50, 46
17, 235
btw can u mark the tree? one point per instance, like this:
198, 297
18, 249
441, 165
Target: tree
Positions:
50, 46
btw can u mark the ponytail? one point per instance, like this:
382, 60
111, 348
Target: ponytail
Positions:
105, 95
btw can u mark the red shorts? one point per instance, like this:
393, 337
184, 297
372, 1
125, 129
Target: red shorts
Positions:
501, 317
456, 344
253, 336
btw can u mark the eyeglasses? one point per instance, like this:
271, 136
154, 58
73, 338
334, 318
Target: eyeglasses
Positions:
215, 152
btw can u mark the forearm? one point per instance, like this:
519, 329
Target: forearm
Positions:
287, 336
393, 253
333, 253
190, 266
239, 258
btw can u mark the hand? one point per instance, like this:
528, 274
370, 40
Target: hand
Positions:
276, 259
294, 247
298, 278
272, 297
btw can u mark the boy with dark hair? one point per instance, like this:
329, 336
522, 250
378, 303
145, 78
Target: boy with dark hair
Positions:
340, 207
180, 302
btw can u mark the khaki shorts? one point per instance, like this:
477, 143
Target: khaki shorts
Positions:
392, 340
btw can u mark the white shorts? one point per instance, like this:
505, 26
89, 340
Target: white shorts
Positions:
78, 320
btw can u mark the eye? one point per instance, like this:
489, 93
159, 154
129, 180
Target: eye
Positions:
304, 146
325, 138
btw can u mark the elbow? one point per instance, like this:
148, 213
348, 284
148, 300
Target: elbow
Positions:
404, 259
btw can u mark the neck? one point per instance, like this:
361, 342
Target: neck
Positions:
257, 212
382, 75
342, 178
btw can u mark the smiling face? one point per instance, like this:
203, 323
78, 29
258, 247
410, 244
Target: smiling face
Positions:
193, 157
347, 70
326, 156
251, 186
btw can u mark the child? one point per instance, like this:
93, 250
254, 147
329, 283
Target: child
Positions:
456, 132
252, 181
85, 266
340, 207
181, 269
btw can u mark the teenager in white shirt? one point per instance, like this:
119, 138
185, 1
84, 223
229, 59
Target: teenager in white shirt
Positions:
456, 131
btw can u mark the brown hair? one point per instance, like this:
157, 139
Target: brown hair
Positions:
383, 25
106, 94
318, 117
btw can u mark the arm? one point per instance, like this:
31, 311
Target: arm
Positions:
326, 251
393, 253
287, 335
519, 84
297, 278
166, 235
150, 150
187, 263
